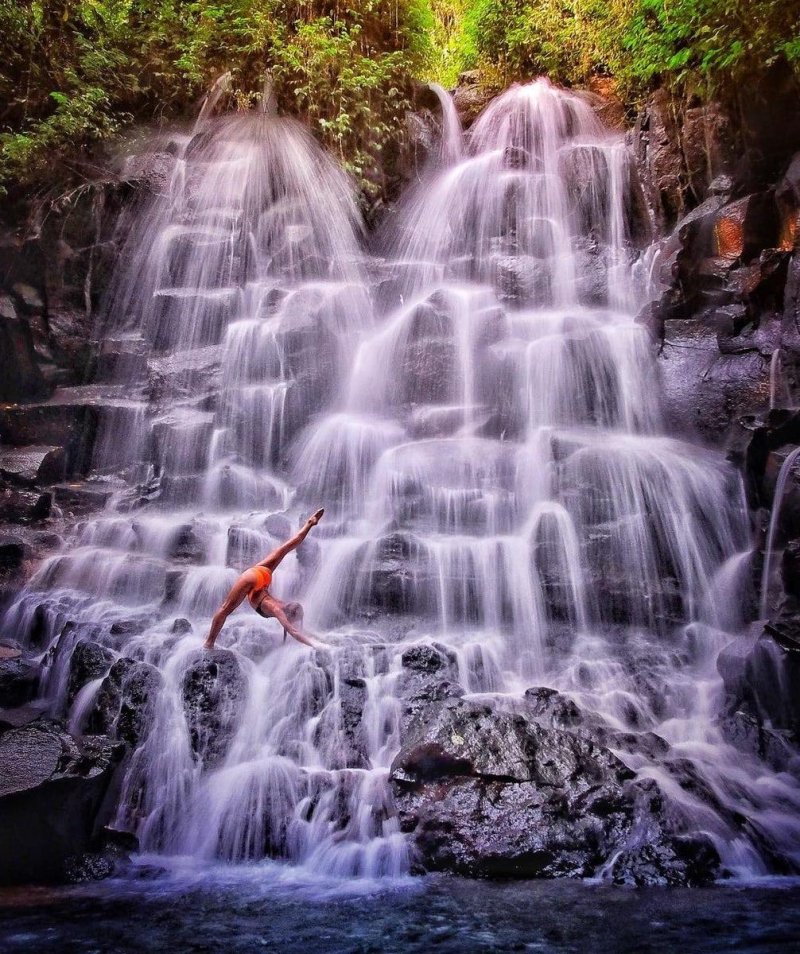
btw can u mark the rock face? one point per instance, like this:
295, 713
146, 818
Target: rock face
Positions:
493, 793
125, 703
52, 800
727, 342
88, 661
688, 149
19, 678
471, 97
213, 690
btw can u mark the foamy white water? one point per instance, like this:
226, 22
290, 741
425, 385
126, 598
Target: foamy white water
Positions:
480, 415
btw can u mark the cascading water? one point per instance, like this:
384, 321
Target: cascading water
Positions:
478, 412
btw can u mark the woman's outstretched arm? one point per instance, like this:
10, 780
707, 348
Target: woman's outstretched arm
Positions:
274, 558
289, 626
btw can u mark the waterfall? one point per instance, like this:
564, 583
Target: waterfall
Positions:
478, 412
451, 143
774, 373
769, 548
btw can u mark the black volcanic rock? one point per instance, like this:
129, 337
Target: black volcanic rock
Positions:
213, 690
125, 703
429, 676
89, 660
52, 800
19, 678
486, 791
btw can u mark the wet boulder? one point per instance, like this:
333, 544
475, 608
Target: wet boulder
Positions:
89, 660
181, 441
122, 359
278, 525
429, 658
771, 680
591, 276
552, 708
214, 691
150, 170
19, 678
31, 465
522, 279
704, 389
486, 791
13, 552
654, 855
24, 505
429, 676
387, 567
428, 372
731, 664
750, 734
52, 800
125, 704
188, 545
341, 733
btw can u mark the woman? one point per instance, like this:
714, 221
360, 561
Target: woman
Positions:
255, 583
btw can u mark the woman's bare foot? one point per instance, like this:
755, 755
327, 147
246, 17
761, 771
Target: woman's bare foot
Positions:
314, 519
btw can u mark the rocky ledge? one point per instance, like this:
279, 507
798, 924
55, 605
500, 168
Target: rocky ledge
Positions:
494, 787
55, 797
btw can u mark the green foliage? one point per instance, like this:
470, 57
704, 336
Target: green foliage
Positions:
564, 39
451, 47
707, 43
76, 71
73, 72
715, 41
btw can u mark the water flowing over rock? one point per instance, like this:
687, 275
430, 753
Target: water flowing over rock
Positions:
479, 411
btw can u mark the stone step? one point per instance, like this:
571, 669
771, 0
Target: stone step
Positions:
68, 419
122, 359
83, 496
37, 463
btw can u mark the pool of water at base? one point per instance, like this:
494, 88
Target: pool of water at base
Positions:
275, 908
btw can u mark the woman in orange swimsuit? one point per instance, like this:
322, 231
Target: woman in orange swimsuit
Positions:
255, 583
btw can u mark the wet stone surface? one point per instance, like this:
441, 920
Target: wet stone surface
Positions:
213, 690
487, 792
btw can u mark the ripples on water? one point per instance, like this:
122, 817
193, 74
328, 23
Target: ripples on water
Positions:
274, 907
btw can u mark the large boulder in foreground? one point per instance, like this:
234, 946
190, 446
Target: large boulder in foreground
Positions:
52, 800
490, 792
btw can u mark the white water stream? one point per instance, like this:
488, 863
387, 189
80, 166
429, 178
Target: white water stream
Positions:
477, 410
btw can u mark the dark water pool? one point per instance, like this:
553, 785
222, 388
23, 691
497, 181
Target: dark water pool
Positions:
274, 909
